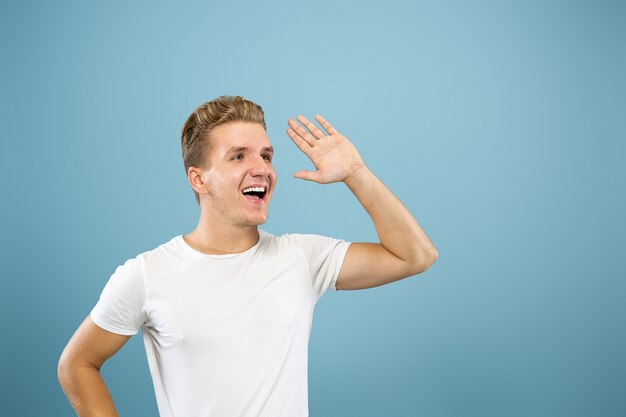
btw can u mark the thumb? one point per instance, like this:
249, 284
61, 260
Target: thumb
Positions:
308, 175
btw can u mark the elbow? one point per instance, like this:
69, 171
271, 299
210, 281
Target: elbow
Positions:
62, 373
63, 369
424, 262
435, 255
431, 258
68, 373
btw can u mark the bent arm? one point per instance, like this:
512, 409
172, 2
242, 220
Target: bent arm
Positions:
397, 230
404, 248
85, 389
79, 369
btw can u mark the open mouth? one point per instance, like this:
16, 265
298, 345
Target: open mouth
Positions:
257, 193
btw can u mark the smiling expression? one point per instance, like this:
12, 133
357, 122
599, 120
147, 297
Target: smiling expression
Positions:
240, 178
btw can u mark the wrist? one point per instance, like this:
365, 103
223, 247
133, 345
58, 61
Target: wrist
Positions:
358, 176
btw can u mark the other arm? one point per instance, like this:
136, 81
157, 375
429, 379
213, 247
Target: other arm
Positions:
404, 248
79, 369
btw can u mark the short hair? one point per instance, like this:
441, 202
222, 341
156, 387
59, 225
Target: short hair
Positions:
195, 134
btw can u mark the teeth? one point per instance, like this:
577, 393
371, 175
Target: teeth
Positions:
260, 189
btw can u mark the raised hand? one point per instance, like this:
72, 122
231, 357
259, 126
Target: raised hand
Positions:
335, 158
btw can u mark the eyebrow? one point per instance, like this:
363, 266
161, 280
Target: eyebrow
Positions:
245, 148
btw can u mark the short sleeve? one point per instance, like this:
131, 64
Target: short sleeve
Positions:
325, 256
121, 307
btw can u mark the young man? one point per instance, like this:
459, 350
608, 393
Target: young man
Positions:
226, 310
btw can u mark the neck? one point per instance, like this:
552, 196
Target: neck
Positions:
218, 238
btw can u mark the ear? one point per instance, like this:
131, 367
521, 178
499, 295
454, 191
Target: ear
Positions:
197, 180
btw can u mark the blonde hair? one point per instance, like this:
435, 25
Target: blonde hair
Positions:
195, 134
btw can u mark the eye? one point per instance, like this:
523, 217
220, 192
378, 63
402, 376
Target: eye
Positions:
237, 156
267, 157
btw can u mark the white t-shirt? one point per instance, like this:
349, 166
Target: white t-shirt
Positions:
225, 335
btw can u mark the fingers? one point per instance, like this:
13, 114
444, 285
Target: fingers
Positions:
303, 138
308, 175
302, 144
301, 132
327, 126
309, 125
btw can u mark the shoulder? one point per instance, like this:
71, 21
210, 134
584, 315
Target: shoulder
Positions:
292, 239
152, 258
306, 243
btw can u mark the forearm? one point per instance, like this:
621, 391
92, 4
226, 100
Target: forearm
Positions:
86, 391
397, 230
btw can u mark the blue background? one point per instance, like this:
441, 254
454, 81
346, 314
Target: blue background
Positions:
500, 125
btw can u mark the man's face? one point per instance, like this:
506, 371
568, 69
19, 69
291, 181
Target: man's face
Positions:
240, 159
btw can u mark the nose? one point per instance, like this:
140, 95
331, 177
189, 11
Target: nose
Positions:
260, 167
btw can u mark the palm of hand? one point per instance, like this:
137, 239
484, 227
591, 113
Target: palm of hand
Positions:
335, 158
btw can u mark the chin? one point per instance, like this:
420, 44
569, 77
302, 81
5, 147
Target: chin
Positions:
256, 221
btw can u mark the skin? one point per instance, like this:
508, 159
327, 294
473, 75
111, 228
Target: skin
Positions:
228, 221
229, 224
404, 249
79, 369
